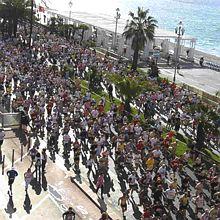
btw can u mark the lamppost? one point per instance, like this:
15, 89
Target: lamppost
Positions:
179, 30
70, 5
117, 17
31, 22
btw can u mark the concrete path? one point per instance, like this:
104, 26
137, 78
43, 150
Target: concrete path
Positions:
201, 78
46, 199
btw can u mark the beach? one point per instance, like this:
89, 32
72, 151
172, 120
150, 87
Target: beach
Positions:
207, 57
106, 22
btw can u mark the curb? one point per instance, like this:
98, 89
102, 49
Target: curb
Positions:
205, 96
89, 197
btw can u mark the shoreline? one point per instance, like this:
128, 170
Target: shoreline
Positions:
210, 57
81, 16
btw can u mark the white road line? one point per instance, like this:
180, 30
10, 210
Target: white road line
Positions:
37, 205
54, 201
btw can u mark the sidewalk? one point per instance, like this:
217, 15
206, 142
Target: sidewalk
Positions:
87, 186
46, 200
201, 78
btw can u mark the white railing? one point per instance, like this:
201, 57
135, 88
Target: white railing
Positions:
8, 120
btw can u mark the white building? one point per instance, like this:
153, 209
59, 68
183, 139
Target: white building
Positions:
164, 40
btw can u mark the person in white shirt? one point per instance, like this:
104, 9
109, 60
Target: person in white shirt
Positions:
205, 215
199, 202
66, 143
162, 171
157, 153
170, 194
2, 136
138, 130
89, 164
132, 180
137, 160
95, 113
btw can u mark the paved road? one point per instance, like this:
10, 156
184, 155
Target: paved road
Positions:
204, 79
114, 187
46, 200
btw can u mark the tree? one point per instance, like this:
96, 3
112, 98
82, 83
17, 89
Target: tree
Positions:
128, 89
13, 11
140, 29
95, 79
56, 24
84, 28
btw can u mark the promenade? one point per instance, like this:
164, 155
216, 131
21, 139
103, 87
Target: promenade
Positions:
47, 199
201, 78
75, 126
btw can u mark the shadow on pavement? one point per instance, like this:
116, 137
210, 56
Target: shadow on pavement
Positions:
77, 178
44, 182
27, 203
91, 186
102, 204
10, 206
137, 214
36, 186
21, 135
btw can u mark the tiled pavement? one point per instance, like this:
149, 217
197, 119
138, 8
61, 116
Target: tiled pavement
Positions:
47, 200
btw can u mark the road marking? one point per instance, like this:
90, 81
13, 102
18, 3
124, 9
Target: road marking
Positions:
57, 205
82, 209
37, 205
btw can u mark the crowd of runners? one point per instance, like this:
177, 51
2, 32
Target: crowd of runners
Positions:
78, 127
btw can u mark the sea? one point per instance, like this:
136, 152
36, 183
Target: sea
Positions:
201, 18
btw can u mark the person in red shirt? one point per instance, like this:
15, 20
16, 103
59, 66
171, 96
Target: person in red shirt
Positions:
146, 215
139, 145
170, 134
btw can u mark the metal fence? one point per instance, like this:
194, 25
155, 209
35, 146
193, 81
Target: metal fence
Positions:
8, 120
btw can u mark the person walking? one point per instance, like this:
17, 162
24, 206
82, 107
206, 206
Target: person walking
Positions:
33, 152
38, 165
199, 202
2, 136
123, 202
178, 68
201, 61
28, 176
89, 164
69, 214
110, 90
44, 159
11, 177
100, 184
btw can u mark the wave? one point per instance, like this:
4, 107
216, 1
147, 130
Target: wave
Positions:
210, 3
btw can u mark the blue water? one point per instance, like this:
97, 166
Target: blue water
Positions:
201, 18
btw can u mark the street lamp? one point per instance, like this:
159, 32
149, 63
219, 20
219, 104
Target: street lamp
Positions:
70, 5
31, 22
117, 17
179, 30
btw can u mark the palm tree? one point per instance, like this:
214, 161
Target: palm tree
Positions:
140, 29
128, 89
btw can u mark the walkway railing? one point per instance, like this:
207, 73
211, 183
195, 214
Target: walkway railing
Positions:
8, 120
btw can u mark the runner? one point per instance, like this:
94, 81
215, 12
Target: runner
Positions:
123, 203
69, 215
28, 176
11, 177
